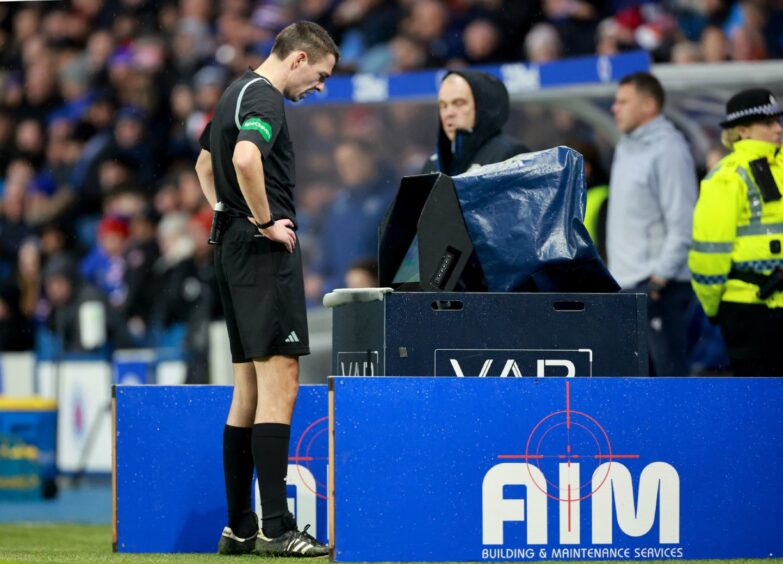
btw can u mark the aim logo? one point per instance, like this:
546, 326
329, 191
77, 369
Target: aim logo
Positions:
563, 447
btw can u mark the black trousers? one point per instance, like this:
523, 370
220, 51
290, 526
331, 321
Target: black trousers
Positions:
667, 334
754, 338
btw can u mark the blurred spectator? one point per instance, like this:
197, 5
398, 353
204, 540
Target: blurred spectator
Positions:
543, 44
747, 44
166, 199
29, 141
513, 18
16, 329
360, 25
191, 46
19, 172
7, 128
576, 22
186, 123
40, 94
13, 229
428, 22
51, 195
124, 157
653, 28
613, 38
78, 315
707, 353
714, 155
473, 108
320, 12
100, 46
362, 273
55, 237
95, 133
773, 31
714, 45
597, 184
28, 279
125, 201
184, 301
403, 53
208, 308
351, 226
208, 85
686, 52
483, 42
172, 270
104, 266
652, 194
191, 198
46, 199
141, 254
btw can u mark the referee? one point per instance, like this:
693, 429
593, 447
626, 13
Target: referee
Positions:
247, 164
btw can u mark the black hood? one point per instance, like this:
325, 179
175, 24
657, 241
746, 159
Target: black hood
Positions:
492, 107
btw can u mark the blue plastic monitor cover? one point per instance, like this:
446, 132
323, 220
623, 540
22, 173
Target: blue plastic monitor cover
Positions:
524, 216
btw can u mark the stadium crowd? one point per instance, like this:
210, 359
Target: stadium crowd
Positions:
102, 104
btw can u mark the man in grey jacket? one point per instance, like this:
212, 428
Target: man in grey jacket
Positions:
652, 193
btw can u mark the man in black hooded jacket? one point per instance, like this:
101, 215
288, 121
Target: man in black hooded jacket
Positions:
473, 108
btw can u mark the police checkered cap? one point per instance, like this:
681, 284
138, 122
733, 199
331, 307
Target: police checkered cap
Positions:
749, 106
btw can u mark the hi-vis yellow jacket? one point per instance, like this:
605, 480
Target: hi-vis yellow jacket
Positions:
733, 227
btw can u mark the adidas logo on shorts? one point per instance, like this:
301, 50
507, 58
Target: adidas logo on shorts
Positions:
292, 338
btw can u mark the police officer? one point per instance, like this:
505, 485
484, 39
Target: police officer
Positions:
736, 257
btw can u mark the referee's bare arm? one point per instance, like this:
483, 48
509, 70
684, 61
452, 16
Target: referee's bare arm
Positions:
250, 174
206, 177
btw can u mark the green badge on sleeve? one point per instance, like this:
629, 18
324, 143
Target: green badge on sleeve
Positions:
257, 124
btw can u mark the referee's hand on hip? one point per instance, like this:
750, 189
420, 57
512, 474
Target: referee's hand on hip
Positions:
283, 232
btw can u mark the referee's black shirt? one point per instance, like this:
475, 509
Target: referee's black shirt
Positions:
251, 109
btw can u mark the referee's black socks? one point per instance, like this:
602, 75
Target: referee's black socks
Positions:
270, 452
238, 471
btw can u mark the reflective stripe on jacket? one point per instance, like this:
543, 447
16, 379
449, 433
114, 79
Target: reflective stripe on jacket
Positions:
596, 196
733, 227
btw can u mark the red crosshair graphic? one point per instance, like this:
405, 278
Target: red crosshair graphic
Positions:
573, 426
306, 458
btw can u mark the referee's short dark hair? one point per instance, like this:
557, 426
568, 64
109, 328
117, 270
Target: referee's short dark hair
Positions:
646, 83
308, 37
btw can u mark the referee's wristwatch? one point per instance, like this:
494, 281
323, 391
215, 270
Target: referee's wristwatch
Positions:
266, 225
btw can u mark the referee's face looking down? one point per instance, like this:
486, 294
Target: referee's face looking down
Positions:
307, 75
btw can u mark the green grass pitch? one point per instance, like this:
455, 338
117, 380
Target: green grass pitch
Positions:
92, 543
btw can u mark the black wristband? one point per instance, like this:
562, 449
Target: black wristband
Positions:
266, 225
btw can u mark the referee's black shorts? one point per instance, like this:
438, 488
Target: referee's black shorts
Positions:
262, 289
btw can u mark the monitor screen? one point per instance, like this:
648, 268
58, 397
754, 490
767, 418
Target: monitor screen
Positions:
408, 272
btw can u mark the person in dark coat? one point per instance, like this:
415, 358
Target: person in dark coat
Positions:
16, 329
78, 329
473, 107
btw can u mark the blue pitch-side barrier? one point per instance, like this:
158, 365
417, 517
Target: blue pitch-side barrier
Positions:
169, 472
518, 78
466, 469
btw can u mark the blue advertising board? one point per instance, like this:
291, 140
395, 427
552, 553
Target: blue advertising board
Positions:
170, 494
469, 469
518, 78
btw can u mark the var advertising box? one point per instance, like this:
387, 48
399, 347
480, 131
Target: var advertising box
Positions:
469, 469
490, 334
